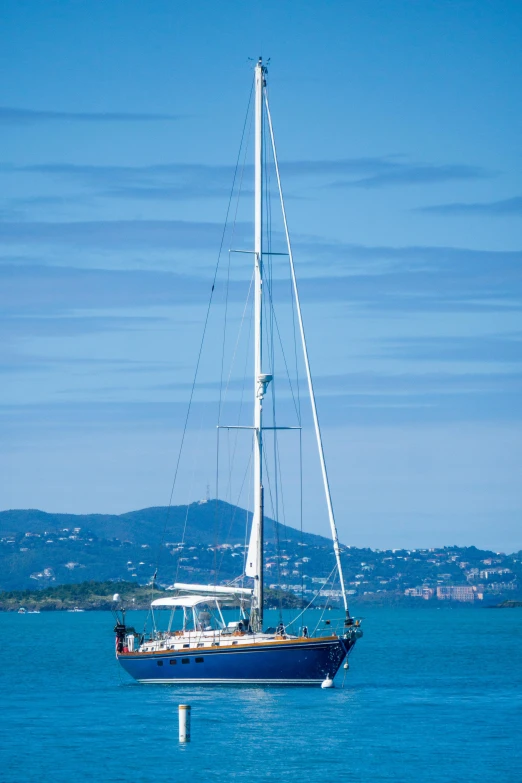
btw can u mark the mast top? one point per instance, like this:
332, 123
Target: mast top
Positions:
263, 66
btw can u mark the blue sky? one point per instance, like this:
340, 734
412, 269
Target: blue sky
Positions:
398, 127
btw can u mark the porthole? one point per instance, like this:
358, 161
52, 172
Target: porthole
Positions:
172, 662
185, 660
160, 663
199, 660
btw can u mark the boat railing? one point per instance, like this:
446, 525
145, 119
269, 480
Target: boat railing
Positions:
210, 637
329, 627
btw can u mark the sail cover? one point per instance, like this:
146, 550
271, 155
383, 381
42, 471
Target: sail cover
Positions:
218, 590
252, 565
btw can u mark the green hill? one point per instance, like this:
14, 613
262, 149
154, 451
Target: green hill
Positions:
206, 522
38, 549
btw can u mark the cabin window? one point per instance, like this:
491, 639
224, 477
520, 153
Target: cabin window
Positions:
200, 645
199, 660
160, 663
185, 660
172, 662
234, 642
186, 645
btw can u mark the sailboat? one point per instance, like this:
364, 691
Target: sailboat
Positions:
202, 647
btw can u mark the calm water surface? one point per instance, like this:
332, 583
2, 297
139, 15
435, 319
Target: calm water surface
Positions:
431, 695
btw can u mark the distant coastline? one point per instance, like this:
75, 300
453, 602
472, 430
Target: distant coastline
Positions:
41, 552
98, 596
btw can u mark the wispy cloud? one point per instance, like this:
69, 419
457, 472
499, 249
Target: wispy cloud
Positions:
15, 362
480, 348
422, 382
376, 387
10, 115
507, 206
45, 290
155, 175
115, 234
413, 277
386, 278
172, 181
46, 201
357, 268
397, 173
430, 397
372, 399
192, 180
22, 326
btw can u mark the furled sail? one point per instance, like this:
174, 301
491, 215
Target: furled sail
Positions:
252, 564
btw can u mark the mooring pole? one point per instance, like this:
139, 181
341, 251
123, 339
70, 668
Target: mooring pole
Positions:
184, 722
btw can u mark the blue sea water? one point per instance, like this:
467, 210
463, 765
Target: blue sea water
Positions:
431, 695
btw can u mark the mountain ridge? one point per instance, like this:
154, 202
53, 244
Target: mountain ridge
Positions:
223, 521
206, 542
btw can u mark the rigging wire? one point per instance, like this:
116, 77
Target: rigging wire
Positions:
270, 336
276, 530
241, 402
301, 503
326, 484
247, 515
298, 393
232, 460
271, 304
229, 255
217, 520
236, 506
311, 602
325, 607
269, 289
271, 351
185, 523
247, 302
205, 325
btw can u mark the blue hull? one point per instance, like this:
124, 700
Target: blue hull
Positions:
303, 662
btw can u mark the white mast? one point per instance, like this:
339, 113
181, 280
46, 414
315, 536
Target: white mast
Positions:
254, 565
333, 526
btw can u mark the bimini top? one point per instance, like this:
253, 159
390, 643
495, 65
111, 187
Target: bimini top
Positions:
189, 601
185, 600
201, 594
212, 590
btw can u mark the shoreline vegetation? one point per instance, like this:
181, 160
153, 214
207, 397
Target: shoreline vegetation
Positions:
98, 596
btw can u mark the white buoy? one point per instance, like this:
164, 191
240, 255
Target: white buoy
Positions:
184, 722
328, 683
